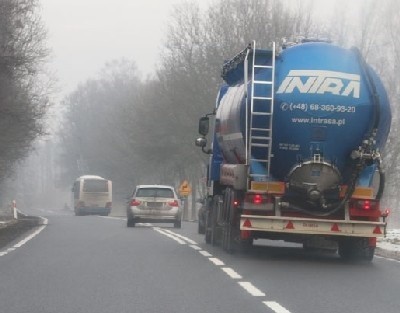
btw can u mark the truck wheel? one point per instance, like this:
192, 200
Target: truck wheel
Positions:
354, 249
200, 229
130, 222
215, 229
230, 234
207, 227
177, 224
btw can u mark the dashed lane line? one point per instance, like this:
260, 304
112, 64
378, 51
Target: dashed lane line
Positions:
205, 253
188, 240
248, 286
276, 307
217, 261
251, 289
178, 240
231, 273
195, 247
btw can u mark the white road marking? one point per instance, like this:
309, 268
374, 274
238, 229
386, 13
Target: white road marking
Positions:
192, 242
251, 289
205, 253
231, 273
217, 261
26, 239
195, 247
248, 286
112, 217
161, 231
276, 307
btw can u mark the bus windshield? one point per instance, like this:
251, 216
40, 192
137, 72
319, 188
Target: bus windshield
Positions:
95, 185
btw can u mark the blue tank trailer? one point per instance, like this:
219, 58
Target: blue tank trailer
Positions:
296, 150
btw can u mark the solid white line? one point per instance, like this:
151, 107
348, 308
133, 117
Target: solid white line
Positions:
205, 253
276, 307
26, 239
216, 261
231, 273
249, 287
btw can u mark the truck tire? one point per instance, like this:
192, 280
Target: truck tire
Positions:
207, 230
178, 224
231, 241
356, 249
214, 230
201, 229
130, 222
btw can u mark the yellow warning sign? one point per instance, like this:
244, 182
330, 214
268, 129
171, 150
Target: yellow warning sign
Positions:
185, 189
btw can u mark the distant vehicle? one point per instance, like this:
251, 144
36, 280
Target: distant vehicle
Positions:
154, 203
92, 195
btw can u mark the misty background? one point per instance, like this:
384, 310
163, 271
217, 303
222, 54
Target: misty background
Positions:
116, 88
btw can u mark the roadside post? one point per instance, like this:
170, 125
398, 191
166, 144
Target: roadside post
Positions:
14, 209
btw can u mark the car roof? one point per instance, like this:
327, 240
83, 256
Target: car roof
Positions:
154, 186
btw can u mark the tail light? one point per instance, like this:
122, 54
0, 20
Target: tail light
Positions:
367, 205
173, 203
256, 198
108, 205
134, 202
365, 208
236, 203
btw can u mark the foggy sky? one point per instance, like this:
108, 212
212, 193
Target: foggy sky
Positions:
85, 34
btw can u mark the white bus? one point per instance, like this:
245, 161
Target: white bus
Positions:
92, 195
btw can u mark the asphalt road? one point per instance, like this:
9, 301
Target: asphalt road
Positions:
96, 264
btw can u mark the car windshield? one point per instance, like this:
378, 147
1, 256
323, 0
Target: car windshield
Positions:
155, 192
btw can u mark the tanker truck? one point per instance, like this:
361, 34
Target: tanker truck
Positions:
295, 151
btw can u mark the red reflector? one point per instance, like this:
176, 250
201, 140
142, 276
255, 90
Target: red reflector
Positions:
289, 225
386, 213
247, 223
173, 203
134, 202
335, 227
377, 230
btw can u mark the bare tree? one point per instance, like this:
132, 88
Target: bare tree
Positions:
23, 94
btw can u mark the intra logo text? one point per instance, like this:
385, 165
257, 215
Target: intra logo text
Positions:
321, 82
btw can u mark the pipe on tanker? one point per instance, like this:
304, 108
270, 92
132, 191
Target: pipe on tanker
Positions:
372, 88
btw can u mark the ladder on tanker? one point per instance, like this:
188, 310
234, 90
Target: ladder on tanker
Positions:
261, 113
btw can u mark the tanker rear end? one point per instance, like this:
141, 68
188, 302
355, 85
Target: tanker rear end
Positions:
296, 149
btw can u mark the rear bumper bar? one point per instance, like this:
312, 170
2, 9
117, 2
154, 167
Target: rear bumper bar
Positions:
308, 226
